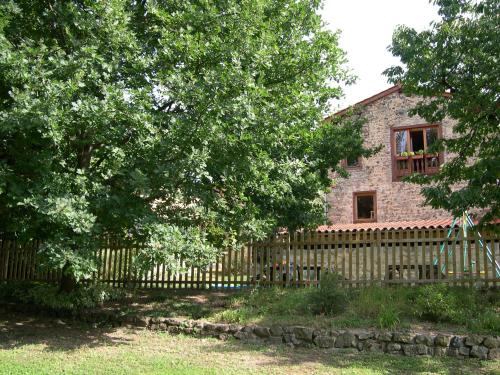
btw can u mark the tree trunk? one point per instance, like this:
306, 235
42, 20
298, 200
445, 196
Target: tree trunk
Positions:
68, 282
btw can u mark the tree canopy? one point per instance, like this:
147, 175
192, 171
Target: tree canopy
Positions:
454, 66
188, 125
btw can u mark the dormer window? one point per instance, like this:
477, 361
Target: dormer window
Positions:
410, 150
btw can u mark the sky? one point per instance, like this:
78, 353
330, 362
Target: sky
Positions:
367, 27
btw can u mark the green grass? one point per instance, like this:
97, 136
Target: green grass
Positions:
438, 306
42, 347
459, 310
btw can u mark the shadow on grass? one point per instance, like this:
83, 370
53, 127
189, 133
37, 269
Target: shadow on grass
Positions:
192, 304
19, 330
338, 360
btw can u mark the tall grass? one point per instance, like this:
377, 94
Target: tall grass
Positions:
475, 310
328, 306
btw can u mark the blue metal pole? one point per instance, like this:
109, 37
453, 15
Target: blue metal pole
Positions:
441, 248
489, 254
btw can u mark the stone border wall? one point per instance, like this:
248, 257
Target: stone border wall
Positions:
395, 342
398, 342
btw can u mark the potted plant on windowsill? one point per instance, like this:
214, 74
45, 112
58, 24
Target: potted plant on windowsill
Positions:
418, 155
402, 156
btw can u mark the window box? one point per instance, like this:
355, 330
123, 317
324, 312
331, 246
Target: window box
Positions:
415, 140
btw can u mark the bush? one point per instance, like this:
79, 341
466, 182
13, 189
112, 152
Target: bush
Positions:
435, 303
48, 296
10, 291
330, 297
476, 309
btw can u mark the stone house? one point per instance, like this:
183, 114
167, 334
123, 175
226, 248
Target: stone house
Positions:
374, 192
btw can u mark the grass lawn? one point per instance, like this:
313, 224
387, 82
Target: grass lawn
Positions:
35, 346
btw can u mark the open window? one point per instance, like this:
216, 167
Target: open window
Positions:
365, 207
411, 150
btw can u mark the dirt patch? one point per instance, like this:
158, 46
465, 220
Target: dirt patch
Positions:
194, 304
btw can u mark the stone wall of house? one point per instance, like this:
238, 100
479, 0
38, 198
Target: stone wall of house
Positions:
396, 201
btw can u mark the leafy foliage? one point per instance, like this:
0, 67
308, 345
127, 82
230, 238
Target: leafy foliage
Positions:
330, 297
457, 305
457, 308
189, 126
48, 296
435, 303
459, 56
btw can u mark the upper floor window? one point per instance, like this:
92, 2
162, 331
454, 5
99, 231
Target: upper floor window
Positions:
410, 150
352, 163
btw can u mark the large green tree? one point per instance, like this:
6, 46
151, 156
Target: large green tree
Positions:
188, 125
455, 67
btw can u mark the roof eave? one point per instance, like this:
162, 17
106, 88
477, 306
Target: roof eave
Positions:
396, 88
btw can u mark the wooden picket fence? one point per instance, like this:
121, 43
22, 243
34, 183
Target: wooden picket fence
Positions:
298, 259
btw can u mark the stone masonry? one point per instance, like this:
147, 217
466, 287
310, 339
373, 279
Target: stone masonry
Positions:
355, 340
396, 201
402, 342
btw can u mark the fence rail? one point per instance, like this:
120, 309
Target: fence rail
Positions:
298, 259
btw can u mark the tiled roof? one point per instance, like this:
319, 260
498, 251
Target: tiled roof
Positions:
414, 224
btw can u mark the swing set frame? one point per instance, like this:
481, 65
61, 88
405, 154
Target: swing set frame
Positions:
467, 226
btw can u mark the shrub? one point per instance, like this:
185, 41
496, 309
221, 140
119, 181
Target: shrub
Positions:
443, 303
10, 291
434, 303
48, 296
330, 297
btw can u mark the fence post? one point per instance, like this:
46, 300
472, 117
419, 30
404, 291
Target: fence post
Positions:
279, 260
